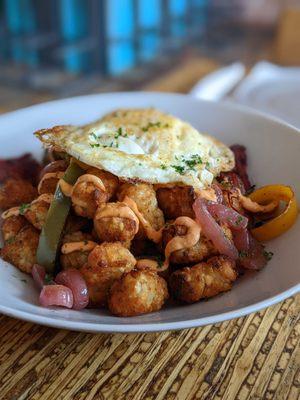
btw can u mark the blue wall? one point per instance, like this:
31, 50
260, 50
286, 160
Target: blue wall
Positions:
21, 20
132, 35
120, 31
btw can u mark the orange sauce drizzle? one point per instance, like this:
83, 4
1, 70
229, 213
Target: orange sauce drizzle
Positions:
68, 189
254, 207
15, 211
123, 211
151, 233
208, 194
182, 242
65, 187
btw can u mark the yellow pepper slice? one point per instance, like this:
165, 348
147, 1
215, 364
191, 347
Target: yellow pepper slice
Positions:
280, 223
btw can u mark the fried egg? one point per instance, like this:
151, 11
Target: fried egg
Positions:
145, 145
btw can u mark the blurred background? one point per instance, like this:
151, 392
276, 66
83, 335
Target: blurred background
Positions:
59, 48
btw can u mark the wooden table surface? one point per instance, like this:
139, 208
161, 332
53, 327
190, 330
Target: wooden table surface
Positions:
254, 357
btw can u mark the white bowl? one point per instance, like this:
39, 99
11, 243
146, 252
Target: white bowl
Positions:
274, 157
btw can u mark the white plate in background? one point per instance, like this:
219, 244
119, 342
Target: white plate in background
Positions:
273, 151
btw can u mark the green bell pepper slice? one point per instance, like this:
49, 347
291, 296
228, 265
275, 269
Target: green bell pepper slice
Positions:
51, 234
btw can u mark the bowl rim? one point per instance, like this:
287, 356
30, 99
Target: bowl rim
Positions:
229, 104
156, 326
148, 327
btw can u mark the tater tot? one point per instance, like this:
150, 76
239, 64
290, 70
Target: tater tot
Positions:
106, 263
36, 214
49, 183
148, 264
11, 226
21, 251
54, 166
115, 222
110, 181
88, 195
145, 198
203, 249
15, 192
86, 198
203, 280
76, 259
176, 201
137, 292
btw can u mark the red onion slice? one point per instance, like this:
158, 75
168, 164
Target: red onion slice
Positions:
74, 281
56, 295
251, 252
219, 193
231, 181
212, 230
228, 215
241, 164
38, 273
241, 239
254, 258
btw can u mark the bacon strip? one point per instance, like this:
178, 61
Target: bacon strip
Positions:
241, 164
24, 167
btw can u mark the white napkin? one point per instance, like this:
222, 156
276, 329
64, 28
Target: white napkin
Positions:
268, 88
218, 84
272, 89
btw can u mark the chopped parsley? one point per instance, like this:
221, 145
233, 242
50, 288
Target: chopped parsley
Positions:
120, 133
268, 255
163, 166
154, 125
48, 279
239, 220
23, 208
187, 164
193, 161
179, 168
114, 143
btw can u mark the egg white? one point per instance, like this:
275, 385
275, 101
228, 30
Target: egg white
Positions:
145, 145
